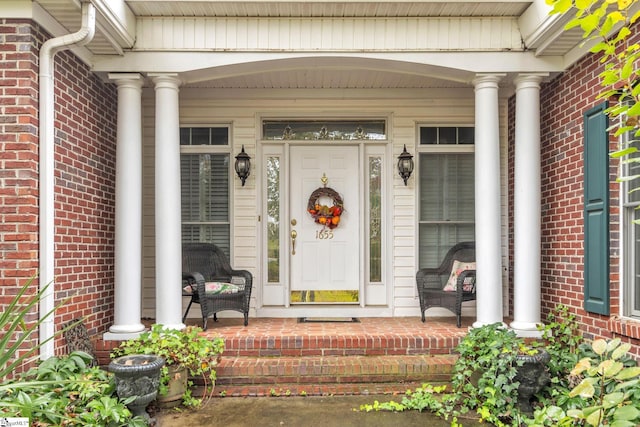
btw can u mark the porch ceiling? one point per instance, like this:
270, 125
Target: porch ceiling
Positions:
327, 8
117, 21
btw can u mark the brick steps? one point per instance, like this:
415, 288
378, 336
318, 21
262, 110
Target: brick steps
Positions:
280, 357
317, 364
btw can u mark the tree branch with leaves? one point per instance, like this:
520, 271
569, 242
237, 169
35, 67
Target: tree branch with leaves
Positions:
608, 25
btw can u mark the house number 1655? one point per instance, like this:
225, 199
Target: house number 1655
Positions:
324, 234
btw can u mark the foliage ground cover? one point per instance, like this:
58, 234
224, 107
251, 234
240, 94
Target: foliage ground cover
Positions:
60, 391
592, 384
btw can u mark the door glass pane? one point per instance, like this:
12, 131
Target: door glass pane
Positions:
375, 219
273, 219
447, 204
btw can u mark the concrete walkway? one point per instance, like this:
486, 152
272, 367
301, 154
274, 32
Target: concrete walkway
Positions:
333, 411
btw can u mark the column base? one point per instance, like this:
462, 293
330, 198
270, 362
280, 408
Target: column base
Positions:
121, 336
526, 329
479, 324
125, 331
178, 326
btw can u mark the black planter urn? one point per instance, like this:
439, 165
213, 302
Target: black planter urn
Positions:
137, 375
533, 376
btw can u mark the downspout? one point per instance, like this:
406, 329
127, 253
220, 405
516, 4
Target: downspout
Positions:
47, 166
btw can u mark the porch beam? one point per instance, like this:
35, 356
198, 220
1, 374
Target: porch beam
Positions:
487, 200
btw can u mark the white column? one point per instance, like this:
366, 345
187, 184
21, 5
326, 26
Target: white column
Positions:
167, 202
526, 276
128, 210
487, 203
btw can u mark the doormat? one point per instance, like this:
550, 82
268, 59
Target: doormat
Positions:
328, 320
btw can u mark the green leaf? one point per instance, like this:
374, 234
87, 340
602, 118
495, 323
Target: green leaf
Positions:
626, 70
589, 23
624, 152
627, 178
626, 412
610, 368
612, 399
583, 4
623, 423
599, 346
634, 110
560, 6
584, 389
628, 373
621, 351
623, 33
595, 418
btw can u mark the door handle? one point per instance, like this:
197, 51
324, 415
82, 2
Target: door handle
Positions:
294, 234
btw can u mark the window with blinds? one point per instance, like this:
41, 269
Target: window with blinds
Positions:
631, 211
446, 198
204, 170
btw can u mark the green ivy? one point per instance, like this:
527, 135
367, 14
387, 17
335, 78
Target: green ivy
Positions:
187, 348
483, 381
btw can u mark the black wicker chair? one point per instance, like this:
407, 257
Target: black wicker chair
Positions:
205, 262
431, 281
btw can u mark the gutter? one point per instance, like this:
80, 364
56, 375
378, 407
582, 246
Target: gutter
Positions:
47, 167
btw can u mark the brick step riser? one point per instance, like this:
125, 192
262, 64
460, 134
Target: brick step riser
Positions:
308, 380
334, 375
284, 390
334, 366
341, 346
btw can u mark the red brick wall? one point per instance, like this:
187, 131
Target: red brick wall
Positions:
564, 100
85, 139
85, 135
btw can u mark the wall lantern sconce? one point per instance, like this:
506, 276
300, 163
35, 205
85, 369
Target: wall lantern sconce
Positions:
243, 165
405, 165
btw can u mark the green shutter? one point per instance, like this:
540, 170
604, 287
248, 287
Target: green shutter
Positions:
596, 211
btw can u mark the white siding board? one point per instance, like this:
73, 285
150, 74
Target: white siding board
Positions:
328, 34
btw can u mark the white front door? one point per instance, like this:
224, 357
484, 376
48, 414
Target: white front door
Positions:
324, 258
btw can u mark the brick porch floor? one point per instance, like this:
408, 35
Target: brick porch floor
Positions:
369, 336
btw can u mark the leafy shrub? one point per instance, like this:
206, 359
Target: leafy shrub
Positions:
608, 392
66, 391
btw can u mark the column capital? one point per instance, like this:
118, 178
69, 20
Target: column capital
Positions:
529, 80
127, 80
125, 76
165, 80
487, 80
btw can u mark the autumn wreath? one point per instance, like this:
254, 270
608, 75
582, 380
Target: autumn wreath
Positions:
328, 216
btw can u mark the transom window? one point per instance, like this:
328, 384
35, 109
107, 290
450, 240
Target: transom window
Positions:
343, 130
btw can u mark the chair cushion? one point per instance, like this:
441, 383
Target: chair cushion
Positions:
459, 267
215, 288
